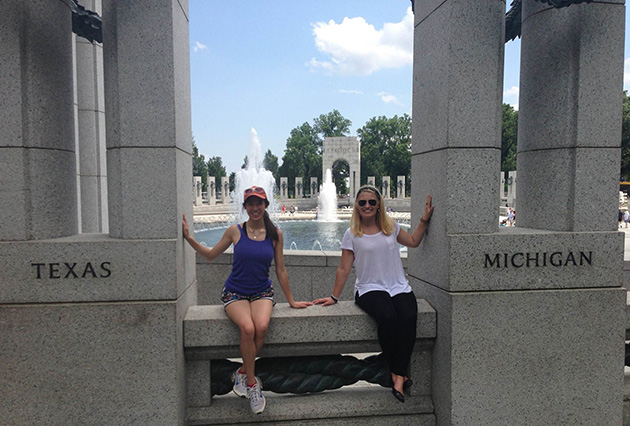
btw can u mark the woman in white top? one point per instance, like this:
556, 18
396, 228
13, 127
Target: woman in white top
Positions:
381, 288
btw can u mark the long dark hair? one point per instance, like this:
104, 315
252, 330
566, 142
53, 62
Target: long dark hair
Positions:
270, 229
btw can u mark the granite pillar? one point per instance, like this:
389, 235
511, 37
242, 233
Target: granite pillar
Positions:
530, 321
511, 192
386, 187
314, 188
225, 190
90, 135
569, 117
400, 187
212, 193
298, 187
284, 187
37, 153
92, 323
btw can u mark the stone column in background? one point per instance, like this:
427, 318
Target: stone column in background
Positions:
511, 301
225, 190
511, 193
400, 187
212, 191
298, 187
90, 135
37, 152
386, 187
371, 180
501, 188
314, 188
284, 187
197, 197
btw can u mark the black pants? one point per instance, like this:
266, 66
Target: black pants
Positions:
396, 318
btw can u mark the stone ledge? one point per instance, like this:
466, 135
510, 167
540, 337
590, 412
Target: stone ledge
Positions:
368, 405
341, 324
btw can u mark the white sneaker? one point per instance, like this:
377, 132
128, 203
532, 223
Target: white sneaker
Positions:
256, 399
240, 383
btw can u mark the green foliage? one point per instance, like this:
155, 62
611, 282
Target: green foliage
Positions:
270, 162
232, 181
340, 172
625, 138
386, 148
509, 132
332, 124
199, 165
303, 155
216, 167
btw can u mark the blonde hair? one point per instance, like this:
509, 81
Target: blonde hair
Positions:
383, 221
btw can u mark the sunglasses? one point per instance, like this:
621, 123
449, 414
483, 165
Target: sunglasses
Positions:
372, 202
257, 190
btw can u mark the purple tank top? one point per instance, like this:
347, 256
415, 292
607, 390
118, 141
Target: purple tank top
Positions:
250, 265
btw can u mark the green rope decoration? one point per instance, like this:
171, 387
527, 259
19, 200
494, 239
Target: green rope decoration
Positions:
307, 374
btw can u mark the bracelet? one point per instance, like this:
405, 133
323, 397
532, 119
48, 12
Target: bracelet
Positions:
423, 220
334, 298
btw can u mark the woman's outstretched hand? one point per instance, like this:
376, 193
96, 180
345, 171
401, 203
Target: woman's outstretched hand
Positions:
428, 209
300, 305
185, 231
324, 301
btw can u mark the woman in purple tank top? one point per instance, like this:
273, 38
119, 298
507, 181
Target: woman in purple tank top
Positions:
248, 294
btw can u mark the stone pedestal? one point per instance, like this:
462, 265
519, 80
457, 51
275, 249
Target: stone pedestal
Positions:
299, 189
284, 187
225, 190
371, 180
386, 187
197, 197
400, 187
511, 191
212, 191
314, 188
530, 319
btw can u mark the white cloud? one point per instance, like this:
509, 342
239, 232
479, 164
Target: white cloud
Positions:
351, 92
198, 46
355, 47
626, 74
389, 98
510, 97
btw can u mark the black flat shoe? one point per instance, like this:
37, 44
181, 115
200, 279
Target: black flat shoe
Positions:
407, 384
399, 396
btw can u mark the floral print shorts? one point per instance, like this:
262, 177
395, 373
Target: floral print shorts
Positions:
228, 296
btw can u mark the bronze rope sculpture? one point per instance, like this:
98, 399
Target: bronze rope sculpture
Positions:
306, 374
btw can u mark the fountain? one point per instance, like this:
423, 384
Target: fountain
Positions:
328, 199
254, 174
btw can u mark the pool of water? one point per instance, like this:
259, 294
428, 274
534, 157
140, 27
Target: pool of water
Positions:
298, 234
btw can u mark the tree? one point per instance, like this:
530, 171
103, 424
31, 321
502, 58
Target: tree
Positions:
232, 181
332, 124
199, 165
302, 156
386, 148
625, 138
509, 133
216, 167
270, 162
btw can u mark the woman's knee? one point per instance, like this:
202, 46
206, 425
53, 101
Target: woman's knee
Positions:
261, 327
248, 330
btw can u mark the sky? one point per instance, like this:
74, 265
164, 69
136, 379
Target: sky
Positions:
272, 65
